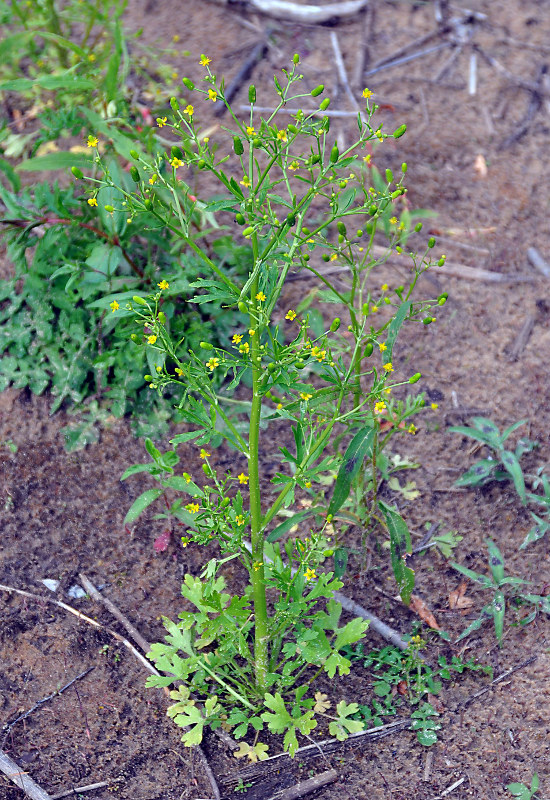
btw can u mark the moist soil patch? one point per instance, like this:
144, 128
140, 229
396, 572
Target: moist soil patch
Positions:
480, 161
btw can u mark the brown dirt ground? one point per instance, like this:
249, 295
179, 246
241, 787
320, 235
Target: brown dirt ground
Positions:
62, 514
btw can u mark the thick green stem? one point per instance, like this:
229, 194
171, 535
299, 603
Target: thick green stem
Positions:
257, 576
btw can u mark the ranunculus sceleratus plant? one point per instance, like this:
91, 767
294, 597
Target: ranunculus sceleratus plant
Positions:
249, 661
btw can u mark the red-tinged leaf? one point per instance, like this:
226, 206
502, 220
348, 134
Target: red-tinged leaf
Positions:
402, 688
437, 703
419, 607
161, 542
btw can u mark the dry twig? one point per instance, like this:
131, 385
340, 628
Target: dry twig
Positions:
21, 779
308, 14
306, 787
89, 788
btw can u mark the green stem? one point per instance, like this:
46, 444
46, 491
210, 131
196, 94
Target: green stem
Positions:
257, 575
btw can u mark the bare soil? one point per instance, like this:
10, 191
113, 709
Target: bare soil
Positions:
61, 514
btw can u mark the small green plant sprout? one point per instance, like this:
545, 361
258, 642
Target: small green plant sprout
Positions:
504, 464
496, 582
424, 723
251, 659
242, 786
523, 792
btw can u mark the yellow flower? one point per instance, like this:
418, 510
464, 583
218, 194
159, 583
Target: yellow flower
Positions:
334, 256
162, 121
163, 284
310, 574
305, 396
212, 363
239, 519
185, 541
92, 141
187, 477
393, 221
178, 371
308, 484
374, 309
158, 369
237, 338
261, 297
175, 38
367, 158
91, 57
294, 165
387, 390
174, 76
114, 306
203, 453
212, 95
384, 287
243, 478
279, 406
245, 182
434, 406
257, 565
192, 507
92, 201
251, 331
319, 354
153, 179
281, 135
189, 110
412, 429
151, 339
176, 162
367, 93
379, 407
204, 61
388, 367
250, 130
383, 346
244, 348
290, 315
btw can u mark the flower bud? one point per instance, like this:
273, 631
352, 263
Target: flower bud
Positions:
243, 308
334, 154
335, 324
431, 242
238, 146
77, 173
174, 104
139, 300
134, 172
318, 90
404, 167
418, 227
415, 378
188, 83
134, 154
369, 347
295, 58
399, 132
324, 104
389, 176
206, 345
251, 94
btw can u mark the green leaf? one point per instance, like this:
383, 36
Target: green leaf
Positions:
351, 633
393, 329
536, 532
496, 561
511, 464
141, 503
400, 546
354, 456
478, 474
498, 606
289, 523
53, 161
10, 174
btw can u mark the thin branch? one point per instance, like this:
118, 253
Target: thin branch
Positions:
89, 788
309, 14
21, 779
306, 787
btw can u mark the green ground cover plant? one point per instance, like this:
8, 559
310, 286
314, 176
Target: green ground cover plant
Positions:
251, 660
503, 465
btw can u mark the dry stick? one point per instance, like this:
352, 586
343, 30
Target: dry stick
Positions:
363, 55
9, 725
130, 647
449, 789
530, 86
535, 103
535, 258
406, 59
376, 624
309, 14
144, 644
522, 338
406, 48
89, 788
21, 779
327, 745
500, 678
243, 74
84, 618
124, 621
341, 69
306, 787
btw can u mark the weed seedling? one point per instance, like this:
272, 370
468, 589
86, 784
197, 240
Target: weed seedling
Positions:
523, 792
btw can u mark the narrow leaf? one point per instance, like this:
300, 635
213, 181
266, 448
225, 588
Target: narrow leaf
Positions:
140, 504
400, 546
350, 466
